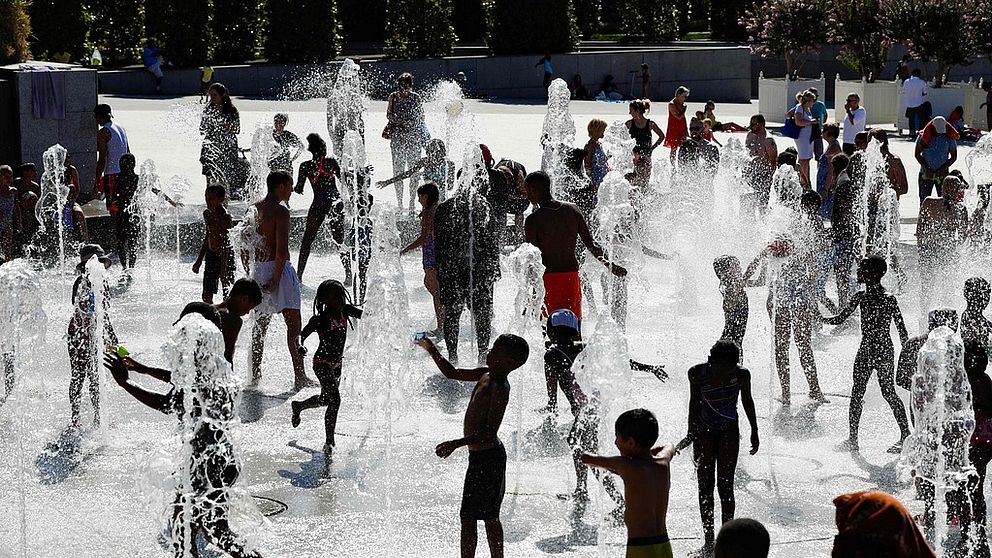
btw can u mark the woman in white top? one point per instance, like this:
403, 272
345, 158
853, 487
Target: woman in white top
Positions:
804, 145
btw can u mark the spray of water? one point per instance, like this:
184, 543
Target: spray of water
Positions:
54, 196
557, 134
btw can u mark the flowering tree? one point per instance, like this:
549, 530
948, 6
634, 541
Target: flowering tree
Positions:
857, 26
981, 31
935, 31
787, 28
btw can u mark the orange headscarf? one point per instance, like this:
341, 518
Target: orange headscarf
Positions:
876, 519
929, 132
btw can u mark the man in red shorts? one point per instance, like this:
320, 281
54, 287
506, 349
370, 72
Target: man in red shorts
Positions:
555, 227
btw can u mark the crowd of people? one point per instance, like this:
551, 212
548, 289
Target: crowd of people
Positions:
463, 230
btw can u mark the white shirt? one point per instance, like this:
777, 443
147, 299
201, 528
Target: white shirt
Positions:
851, 130
913, 91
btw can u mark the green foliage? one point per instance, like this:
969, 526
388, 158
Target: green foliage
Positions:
656, 23
419, 29
58, 30
363, 20
857, 25
116, 28
587, 16
302, 31
15, 26
532, 26
181, 28
237, 26
788, 28
469, 19
725, 22
938, 31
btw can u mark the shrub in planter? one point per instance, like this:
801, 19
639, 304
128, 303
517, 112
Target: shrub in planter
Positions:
531, 26
857, 26
935, 31
787, 28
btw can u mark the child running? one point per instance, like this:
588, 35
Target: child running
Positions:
735, 303
876, 353
485, 481
428, 196
331, 311
216, 247
124, 213
646, 478
714, 430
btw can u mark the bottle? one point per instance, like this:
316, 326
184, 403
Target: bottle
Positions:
96, 59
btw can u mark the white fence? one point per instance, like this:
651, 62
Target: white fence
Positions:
778, 95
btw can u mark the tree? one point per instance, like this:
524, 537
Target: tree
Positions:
532, 26
237, 24
587, 16
363, 20
469, 19
58, 30
116, 28
657, 23
302, 31
725, 24
935, 31
981, 31
787, 28
857, 25
15, 26
181, 28
419, 28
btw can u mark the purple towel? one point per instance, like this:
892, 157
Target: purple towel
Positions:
48, 94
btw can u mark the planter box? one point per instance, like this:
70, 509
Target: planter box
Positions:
942, 101
880, 99
778, 95
974, 96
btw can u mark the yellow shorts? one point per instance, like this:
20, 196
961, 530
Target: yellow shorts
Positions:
649, 547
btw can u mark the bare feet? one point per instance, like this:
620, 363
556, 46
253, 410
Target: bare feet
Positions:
303, 382
295, 421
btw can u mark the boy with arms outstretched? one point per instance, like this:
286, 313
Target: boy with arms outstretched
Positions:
646, 482
485, 481
876, 353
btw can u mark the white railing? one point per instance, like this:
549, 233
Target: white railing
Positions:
880, 99
778, 95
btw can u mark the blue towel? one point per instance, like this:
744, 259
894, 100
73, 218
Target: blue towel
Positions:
48, 94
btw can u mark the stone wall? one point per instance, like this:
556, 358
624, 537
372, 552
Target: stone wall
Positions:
23, 138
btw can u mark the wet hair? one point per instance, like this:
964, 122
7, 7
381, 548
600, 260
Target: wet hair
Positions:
276, 179
831, 129
438, 146
787, 157
639, 425
208, 312
725, 352
811, 200
759, 118
743, 538
976, 358
596, 124
5, 169
226, 105
217, 191
516, 348
861, 138
246, 287
127, 161
942, 317
723, 263
977, 291
839, 163
406, 78
28, 167
874, 266
682, 90
640, 105
281, 117
950, 181
880, 136
328, 287
540, 179
574, 159
430, 190
316, 144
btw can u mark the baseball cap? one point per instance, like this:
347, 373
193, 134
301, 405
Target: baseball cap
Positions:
564, 317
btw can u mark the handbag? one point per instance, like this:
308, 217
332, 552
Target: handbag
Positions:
387, 132
791, 129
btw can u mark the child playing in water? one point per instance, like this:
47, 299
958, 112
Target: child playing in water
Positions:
485, 481
735, 304
646, 478
124, 213
216, 248
876, 354
82, 338
714, 429
331, 312
975, 327
434, 166
428, 196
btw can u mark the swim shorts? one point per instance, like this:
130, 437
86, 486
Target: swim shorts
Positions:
649, 547
562, 289
485, 484
288, 295
212, 272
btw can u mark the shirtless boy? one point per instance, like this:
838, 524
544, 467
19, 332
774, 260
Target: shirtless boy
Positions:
275, 274
215, 250
555, 227
646, 482
485, 481
761, 167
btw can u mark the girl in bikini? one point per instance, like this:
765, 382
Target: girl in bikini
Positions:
322, 172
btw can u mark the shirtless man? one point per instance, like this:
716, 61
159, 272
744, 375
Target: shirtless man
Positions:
761, 167
485, 481
555, 227
111, 143
940, 233
275, 274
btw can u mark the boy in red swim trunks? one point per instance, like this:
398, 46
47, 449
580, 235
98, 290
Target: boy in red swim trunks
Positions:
555, 227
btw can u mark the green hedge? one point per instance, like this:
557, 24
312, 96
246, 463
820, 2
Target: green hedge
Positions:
302, 31
15, 26
58, 30
363, 21
237, 26
117, 28
587, 16
469, 19
657, 23
725, 18
532, 26
181, 28
419, 29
